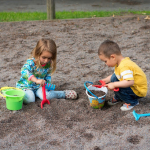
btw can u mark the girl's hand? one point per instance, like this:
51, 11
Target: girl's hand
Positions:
41, 82
110, 86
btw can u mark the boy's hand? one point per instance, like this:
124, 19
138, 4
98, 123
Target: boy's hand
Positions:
41, 82
110, 86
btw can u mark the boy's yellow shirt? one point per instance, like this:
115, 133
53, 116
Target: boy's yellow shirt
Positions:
128, 70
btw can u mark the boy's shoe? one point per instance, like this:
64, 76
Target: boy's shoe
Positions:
126, 107
112, 102
71, 94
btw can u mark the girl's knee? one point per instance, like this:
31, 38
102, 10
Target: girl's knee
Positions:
29, 97
39, 93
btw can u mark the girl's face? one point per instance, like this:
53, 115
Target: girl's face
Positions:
45, 57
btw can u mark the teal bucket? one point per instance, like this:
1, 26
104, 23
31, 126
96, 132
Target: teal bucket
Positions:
96, 102
14, 99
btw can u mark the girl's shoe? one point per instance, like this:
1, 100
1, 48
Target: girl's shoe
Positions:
113, 101
126, 107
71, 94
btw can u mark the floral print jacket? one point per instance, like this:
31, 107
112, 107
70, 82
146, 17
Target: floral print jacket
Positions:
28, 70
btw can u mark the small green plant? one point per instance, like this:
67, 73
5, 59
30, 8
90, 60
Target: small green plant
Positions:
28, 16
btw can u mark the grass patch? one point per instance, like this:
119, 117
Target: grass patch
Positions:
21, 16
28, 16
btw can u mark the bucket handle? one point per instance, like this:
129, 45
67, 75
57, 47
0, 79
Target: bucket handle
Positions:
4, 88
88, 89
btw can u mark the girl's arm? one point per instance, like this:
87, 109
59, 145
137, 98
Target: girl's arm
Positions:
37, 81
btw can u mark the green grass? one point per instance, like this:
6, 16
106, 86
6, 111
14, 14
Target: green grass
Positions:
21, 16
27, 16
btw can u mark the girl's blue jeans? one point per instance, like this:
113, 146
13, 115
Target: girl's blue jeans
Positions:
30, 95
125, 94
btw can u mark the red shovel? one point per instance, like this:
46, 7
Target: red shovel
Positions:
103, 83
44, 97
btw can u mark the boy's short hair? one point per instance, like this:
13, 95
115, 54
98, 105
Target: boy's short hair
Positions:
108, 48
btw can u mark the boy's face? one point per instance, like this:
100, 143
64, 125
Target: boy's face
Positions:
110, 62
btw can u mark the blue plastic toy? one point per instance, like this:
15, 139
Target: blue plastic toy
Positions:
49, 86
88, 89
137, 116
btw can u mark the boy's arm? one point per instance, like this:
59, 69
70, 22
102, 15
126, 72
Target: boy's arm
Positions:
124, 83
107, 79
120, 84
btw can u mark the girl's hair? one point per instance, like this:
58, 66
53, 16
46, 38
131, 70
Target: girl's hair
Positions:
108, 48
45, 45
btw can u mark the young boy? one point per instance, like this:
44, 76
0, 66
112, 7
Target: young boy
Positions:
128, 77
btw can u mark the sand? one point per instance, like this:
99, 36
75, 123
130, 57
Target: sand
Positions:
74, 124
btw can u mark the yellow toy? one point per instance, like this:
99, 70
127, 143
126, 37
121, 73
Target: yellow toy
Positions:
6, 88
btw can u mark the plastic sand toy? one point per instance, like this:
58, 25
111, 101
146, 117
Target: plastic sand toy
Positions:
95, 102
137, 116
14, 97
44, 97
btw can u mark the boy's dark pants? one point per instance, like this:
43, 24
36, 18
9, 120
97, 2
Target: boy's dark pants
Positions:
125, 94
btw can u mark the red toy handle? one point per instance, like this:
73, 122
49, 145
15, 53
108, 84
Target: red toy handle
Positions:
44, 91
44, 97
116, 89
103, 83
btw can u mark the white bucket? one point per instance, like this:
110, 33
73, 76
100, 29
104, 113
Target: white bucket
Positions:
94, 102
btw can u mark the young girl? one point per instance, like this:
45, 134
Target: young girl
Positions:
38, 70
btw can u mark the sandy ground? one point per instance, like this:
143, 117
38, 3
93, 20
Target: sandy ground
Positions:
74, 125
